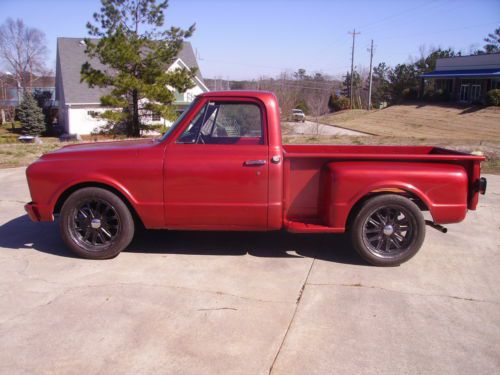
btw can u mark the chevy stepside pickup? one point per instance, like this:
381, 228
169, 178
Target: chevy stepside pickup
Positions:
221, 166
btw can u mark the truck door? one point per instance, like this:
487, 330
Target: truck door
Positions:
216, 171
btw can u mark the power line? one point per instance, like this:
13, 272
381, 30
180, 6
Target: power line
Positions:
439, 31
296, 85
398, 14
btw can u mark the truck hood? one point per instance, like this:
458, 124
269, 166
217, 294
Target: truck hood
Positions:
97, 149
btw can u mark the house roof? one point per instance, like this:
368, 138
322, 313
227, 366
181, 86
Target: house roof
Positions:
472, 73
70, 58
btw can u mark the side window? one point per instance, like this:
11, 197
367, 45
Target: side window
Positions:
232, 123
225, 123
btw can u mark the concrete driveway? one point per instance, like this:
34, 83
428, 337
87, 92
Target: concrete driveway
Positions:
232, 303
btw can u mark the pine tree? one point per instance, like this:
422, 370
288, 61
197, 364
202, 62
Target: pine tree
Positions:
492, 42
137, 60
31, 116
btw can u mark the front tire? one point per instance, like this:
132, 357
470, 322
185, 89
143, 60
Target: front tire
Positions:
388, 230
95, 223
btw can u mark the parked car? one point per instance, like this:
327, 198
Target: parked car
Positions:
298, 115
222, 166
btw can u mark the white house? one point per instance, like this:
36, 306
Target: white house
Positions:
78, 103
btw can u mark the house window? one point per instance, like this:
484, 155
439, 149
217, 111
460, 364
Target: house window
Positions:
155, 116
475, 93
93, 113
464, 93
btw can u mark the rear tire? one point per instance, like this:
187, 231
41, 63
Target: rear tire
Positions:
388, 230
95, 223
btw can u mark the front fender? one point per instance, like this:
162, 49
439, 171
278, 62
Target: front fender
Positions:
139, 181
48, 181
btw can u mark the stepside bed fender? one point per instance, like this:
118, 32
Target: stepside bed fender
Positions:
441, 187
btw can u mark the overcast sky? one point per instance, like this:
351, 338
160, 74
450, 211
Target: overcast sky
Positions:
245, 39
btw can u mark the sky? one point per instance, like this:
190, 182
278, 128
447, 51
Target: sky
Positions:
248, 39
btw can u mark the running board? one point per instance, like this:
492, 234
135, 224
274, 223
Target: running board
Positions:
301, 227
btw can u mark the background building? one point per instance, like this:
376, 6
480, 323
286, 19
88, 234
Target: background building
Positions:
466, 79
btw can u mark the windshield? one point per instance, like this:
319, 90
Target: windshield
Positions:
179, 120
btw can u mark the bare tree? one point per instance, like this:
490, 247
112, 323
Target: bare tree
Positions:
318, 105
309, 92
286, 93
23, 51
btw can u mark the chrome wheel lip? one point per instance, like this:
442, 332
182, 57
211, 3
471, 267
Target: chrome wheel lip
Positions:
95, 224
389, 231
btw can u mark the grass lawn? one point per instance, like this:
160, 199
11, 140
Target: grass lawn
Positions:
17, 155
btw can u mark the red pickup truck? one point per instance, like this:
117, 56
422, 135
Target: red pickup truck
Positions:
222, 166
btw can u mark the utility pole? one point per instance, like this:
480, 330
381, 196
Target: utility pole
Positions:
371, 76
354, 33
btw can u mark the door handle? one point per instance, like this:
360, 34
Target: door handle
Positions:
253, 163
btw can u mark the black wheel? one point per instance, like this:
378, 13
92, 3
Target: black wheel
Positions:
388, 230
96, 224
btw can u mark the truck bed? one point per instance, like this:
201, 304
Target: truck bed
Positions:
313, 172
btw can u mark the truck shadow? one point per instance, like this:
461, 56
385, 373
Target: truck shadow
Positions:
21, 233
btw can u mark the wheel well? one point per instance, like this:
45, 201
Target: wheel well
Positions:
357, 206
62, 198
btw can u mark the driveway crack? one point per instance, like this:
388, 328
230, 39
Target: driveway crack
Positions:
168, 286
219, 308
359, 285
299, 297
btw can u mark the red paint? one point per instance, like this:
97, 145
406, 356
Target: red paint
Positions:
312, 188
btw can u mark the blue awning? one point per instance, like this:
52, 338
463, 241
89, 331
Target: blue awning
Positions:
477, 73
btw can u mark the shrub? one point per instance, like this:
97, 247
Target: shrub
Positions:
338, 103
409, 93
31, 116
493, 97
43, 100
439, 95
